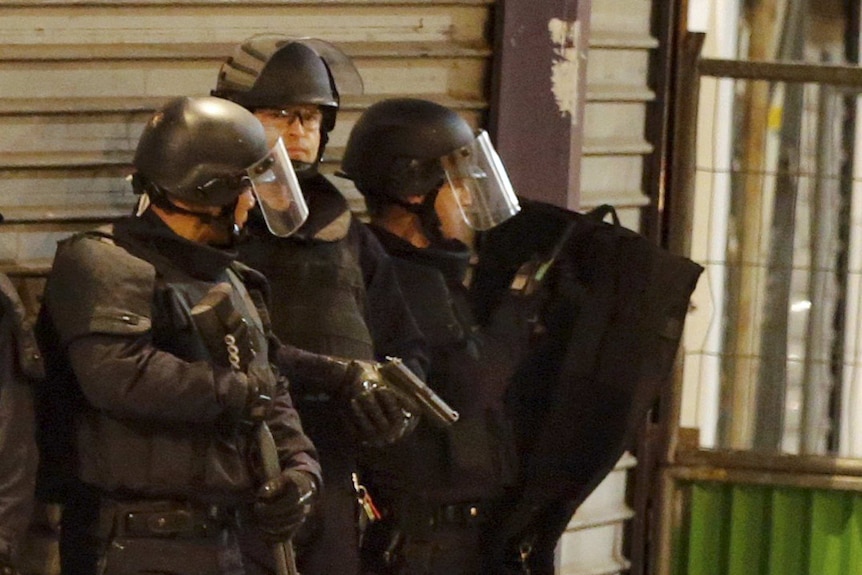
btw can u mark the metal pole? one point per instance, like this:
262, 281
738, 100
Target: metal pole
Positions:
285, 563
817, 382
741, 394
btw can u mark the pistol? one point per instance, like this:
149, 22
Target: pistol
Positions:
399, 376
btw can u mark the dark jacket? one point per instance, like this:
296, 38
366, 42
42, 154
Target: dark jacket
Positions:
474, 459
20, 365
153, 416
333, 291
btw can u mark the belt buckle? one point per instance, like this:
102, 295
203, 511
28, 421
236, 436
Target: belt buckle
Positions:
171, 522
165, 523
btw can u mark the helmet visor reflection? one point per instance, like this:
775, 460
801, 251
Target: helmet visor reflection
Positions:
277, 192
480, 184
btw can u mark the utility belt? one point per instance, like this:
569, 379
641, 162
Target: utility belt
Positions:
458, 514
164, 518
445, 516
423, 533
314, 398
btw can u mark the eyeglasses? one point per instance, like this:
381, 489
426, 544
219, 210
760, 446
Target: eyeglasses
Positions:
309, 117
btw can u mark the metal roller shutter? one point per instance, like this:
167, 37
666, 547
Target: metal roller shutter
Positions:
79, 79
615, 115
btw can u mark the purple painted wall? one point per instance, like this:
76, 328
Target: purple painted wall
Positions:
538, 93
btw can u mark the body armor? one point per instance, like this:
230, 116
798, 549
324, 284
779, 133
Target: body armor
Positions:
438, 487
318, 290
124, 294
318, 304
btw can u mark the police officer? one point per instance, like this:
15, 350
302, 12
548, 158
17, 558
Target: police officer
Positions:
334, 289
531, 310
430, 183
20, 366
165, 407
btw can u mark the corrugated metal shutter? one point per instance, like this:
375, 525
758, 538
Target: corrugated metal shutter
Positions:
79, 79
593, 542
615, 113
612, 173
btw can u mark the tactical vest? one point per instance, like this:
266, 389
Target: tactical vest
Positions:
128, 291
317, 299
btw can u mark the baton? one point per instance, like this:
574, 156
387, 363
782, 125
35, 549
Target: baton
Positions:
209, 317
285, 563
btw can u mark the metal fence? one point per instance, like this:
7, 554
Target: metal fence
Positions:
762, 474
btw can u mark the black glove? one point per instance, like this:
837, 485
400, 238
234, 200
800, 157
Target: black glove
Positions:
380, 413
261, 385
283, 504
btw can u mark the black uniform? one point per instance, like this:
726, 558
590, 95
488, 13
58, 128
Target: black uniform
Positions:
436, 488
335, 292
158, 461
20, 365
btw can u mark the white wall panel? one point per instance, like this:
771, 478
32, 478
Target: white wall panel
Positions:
615, 113
614, 179
593, 541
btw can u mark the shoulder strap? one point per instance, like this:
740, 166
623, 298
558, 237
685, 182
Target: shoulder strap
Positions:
599, 213
257, 287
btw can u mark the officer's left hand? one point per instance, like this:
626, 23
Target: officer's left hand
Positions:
283, 504
380, 413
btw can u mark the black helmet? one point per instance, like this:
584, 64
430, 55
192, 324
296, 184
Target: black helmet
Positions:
270, 71
191, 143
394, 150
406, 147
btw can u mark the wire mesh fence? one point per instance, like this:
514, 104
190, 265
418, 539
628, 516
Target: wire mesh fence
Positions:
774, 365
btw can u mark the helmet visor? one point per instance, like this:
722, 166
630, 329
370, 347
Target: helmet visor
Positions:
480, 184
277, 192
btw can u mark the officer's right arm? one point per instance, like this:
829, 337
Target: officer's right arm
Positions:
379, 413
129, 378
99, 299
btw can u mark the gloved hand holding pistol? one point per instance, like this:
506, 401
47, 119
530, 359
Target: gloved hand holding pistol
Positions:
283, 503
379, 413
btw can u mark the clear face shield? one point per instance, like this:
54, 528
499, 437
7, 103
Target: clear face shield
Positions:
277, 192
480, 184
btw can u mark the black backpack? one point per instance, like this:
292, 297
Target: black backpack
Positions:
610, 306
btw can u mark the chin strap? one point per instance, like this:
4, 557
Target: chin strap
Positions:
428, 218
223, 220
